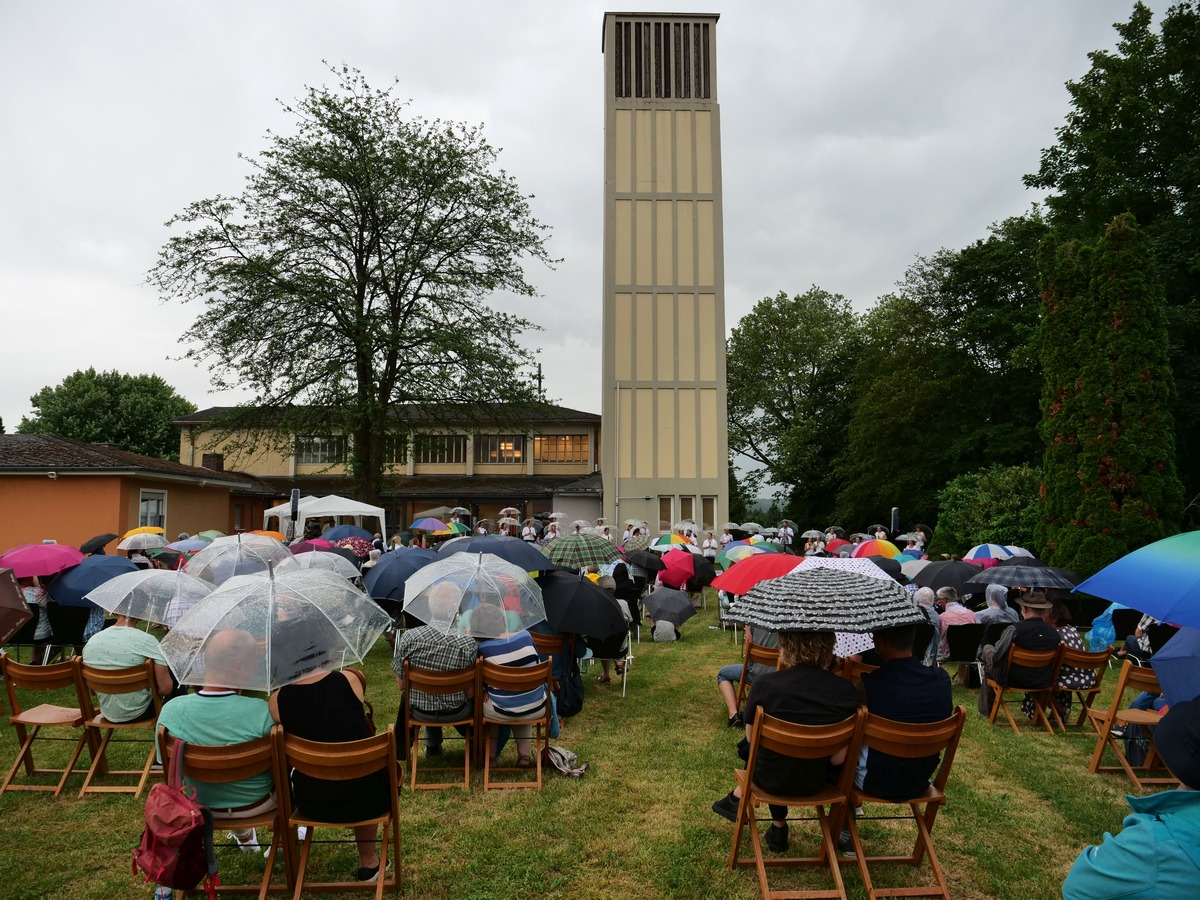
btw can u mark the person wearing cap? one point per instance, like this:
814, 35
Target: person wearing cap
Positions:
1031, 633
1157, 853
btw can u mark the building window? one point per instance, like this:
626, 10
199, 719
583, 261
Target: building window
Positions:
708, 512
315, 450
152, 509
560, 448
499, 448
440, 448
672, 62
687, 508
666, 513
395, 449
239, 516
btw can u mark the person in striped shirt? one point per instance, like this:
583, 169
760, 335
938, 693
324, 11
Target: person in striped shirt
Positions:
506, 648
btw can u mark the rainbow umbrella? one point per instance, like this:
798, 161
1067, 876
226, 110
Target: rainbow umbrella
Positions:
428, 523
876, 548
668, 539
988, 551
1161, 579
454, 528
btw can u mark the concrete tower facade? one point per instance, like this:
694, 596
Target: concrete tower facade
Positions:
664, 445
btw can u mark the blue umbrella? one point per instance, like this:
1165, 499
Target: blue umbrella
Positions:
69, 587
188, 545
1177, 665
386, 579
341, 532
1161, 579
510, 549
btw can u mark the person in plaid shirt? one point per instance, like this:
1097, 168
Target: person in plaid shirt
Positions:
430, 647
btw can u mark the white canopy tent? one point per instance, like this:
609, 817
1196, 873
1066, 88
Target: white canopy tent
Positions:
332, 506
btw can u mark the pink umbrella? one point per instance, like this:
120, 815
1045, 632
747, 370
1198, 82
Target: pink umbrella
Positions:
28, 560
310, 545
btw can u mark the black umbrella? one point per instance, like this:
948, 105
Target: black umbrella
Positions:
651, 562
1027, 576
669, 605
575, 604
98, 543
510, 549
1021, 561
14, 611
891, 567
815, 598
386, 579
705, 572
947, 573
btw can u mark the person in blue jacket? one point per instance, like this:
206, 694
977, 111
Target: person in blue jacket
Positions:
1157, 853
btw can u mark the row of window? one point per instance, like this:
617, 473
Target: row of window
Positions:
450, 448
687, 512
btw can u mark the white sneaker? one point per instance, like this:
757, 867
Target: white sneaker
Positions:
163, 893
301, 831
250, 846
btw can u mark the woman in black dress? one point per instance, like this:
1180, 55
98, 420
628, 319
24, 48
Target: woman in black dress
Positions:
326, 705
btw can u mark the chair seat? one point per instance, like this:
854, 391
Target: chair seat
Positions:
931, 795
48, 714
1138, 717
827, 794
100, 722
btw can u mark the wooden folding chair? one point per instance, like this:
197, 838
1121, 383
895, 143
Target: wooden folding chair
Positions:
553, 646
514, 678
1032, 659
237, 762
118, 681
28, 723
1132, 678
798, 742
852, 670
439, 683
1097, 664
754, 653
910, 741
341, 762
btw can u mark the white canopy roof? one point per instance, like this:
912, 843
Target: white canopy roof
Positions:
320, 507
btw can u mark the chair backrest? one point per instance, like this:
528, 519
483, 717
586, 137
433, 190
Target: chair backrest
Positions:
552, 646
36, 678
514, 678
963, 641
853, 670
765, 656
910, 740
1031, 659
1094, 662
119, 681
434, 682
804, 741
342, 761
1142, 678
221, 765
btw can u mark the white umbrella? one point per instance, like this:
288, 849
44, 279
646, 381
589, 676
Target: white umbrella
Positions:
812, 533
300, 620
507, 520
329, 562
142, 542
152, 595
510, 511
239, 554
446, 592
556, 515
752, 527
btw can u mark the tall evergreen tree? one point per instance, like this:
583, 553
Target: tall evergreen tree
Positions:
1110, 484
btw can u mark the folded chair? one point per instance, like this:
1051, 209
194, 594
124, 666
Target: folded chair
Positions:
119, 681
798, 742
1097, 664
910, 741
28, 723
441, 683
766, 656
341, 762
1032, 659
221, 765
1133, 679
520, 679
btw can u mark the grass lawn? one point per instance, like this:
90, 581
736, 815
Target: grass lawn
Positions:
638, 824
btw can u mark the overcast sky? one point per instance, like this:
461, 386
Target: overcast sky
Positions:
856, 134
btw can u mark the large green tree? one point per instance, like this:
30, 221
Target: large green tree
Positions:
134, 412
948, 380
354, 273
1131, 143
1110, 482
996, 505
789, 361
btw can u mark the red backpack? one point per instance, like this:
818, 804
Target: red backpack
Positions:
177, 844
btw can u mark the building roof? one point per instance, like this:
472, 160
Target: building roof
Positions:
589, 484
38, 453
413, 413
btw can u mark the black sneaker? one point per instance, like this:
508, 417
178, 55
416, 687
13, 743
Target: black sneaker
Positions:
365, 874
727, 807
777, 838
736, 720
432, 750
1117, 731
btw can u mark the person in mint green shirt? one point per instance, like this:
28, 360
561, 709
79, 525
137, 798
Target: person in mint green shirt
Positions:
118, 647
217, 716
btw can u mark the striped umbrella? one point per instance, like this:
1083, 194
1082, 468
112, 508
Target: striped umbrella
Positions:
820, 598
988, 551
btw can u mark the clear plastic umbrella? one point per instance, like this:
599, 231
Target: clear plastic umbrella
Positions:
447, 594
298, 620
329, 562
239, 554
142, 541
161, 596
